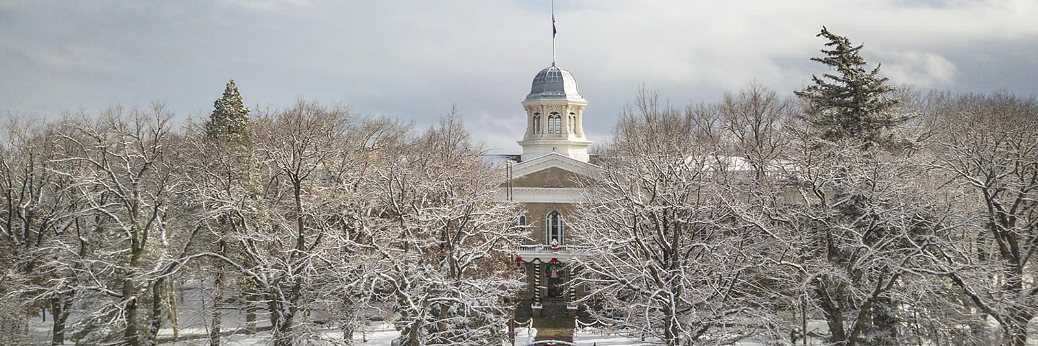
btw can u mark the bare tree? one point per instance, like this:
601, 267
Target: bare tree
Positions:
441, 238
988, 148
39, 212
668, 256
754, 122
122, 168
295, 222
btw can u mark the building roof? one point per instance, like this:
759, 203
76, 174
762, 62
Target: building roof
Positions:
499, 160
554, 83
556, 160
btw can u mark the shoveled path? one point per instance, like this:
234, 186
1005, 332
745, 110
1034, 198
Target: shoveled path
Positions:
554, 324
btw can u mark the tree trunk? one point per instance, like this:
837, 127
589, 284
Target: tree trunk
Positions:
349, 321
130, 334
670, 334
217, 317
884, 322
171, 302
411, 335
282, 306
62, 307
249, 298
155, 315
281, 320
347, 334
833, 316
283, 331
275, 317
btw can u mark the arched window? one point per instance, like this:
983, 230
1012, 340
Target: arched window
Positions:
537, 123
521, 221
554, 123
554, 227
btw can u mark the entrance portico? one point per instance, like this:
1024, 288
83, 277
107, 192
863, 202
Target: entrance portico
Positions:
549, 271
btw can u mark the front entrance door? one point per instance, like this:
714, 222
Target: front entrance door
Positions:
555, 278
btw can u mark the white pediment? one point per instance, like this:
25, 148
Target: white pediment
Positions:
554, 160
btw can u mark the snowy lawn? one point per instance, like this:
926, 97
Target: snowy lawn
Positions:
382, 334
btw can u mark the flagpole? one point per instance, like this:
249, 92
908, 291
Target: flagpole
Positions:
553, 32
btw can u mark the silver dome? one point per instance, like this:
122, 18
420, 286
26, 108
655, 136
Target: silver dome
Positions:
554, 83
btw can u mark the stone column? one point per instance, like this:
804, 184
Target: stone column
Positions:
571, 291
543, 124
564, 128
580, 122
538, 272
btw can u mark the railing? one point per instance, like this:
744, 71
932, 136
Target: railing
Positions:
551, 343
549, 249
527, 324
546, 253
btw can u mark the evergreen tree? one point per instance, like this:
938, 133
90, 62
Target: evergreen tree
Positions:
851, 101
853, 106
230, 118
228, 133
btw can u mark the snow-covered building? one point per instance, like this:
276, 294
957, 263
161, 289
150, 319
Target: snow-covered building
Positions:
543, 179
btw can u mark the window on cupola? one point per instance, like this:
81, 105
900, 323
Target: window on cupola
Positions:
554, 227
554, 123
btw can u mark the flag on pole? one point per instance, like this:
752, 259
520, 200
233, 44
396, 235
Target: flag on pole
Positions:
554, 31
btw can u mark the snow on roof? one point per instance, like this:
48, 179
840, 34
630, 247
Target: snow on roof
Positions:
737, 163
711, 162
499, 160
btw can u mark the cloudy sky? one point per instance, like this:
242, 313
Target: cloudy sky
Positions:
414, 59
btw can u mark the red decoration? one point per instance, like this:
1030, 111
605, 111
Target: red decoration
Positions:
554, 261
519, 261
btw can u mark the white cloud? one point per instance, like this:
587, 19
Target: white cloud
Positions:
922, 69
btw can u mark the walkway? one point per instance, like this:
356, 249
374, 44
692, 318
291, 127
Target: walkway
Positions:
555, 323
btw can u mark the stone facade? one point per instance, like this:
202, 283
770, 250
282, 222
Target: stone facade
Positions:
552, 177
537, 219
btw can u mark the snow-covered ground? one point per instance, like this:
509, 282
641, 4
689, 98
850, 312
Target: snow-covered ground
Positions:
194, 320
382, 334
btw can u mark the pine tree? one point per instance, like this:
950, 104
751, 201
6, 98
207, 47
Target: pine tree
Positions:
851, 102
230, 118
853, 105
228, 131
